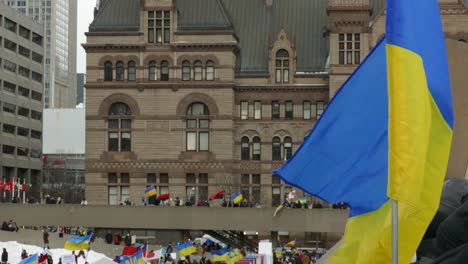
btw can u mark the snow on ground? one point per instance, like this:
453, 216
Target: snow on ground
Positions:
14, 253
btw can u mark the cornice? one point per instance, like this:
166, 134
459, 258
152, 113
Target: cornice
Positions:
109, 46
283, 88
174, 85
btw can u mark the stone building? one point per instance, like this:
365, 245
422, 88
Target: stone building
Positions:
197, 96
21, 95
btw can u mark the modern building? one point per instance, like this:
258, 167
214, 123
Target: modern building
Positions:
21, 82
63, 150
80, 89
197, 96
59, 19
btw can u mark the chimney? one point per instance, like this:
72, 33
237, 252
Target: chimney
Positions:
268, 3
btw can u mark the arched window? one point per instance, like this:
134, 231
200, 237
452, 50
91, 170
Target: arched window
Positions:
210, 70
256, 148
276, 149
198, 127
153, 71
287, 148
108, 71
131, 71
245, 148
198, 70
119, 71
186, 71
282, 66
164, 71
120, 126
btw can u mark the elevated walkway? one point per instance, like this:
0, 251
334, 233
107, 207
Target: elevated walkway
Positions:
177, 218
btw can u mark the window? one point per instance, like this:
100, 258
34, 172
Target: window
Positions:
245, 148
159, 26
153, 71
320, 108
288, 110
160, 181
24, 32
196, 187
9, 87
36, 134
120, 126
118, 188
198, 70
36, 38
185, 71
9, 108
10, 25
22, 71
22, 151
23, 111
9, 66
21, 131
35, 154
275, 110
36, 96
119, 71
197, 128
287, 148
37, 57
164, 71
306, 110
9, 45
244, 111
282, 66
210, 71
10, 129
24, 51
36, 115
257, 110
276, 149
256, 149
131, 71
8, 149
250, 187
108, 71
349, 48
36, 76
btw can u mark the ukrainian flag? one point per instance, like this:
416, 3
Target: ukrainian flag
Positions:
219, 255
386, 135
136, 258
33, 259
78, 242
237, 197
290, 244
150, 191
303, 200
233, 256
186, 249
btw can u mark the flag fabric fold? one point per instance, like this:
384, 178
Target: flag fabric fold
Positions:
393, 144
78, 242
186, 249
33, 259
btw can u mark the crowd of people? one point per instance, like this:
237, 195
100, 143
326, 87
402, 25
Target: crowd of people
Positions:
10, 226
296, 257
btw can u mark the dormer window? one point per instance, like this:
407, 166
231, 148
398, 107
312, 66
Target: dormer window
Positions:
282, 66
159, 26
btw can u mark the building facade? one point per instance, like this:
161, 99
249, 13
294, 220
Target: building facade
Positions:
59, 19
197, 96
21, 82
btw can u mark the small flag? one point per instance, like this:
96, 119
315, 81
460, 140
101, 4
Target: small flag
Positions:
219, 255
186, 249
150, 191
33, 259
78, 242
290, 244
237, 197
233, 256
303, 200
257, 205
136, 258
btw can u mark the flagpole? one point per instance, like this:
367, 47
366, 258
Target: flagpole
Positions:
24, 191
4, 193
394, 232
13, 189
19, 183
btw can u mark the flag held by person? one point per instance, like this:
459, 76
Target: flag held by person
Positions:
290, 244
78, 242
393, 146
303, 200
186, 249
219, 255
136, 258
150, 191
237, 197
233, 256
33, 259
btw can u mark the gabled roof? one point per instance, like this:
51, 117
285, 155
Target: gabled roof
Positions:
117, 15
202, 14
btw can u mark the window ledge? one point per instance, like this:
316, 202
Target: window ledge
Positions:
197, 156
118, 156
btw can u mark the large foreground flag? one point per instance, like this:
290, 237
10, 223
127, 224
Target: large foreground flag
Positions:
380, 140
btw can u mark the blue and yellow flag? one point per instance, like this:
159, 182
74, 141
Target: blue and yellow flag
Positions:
186, 249
78, 242
219, 255
237, 197
303, 200
290, 244
233, 256
33, 259
386, 135
136, 258
150, 191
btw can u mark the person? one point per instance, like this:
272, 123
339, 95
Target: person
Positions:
117, 239
24, 254
109, 238
128, 240
306, 258
61, 231
143, 201
45, 237
4, 256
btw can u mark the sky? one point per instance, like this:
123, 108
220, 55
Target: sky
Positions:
85, 17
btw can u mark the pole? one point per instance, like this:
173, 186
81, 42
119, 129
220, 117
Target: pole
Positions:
4, 193
13, 189
24, 191
18, 186
394, 232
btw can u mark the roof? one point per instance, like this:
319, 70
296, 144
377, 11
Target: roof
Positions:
255, 25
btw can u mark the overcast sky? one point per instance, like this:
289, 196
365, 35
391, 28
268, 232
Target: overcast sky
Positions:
85, 17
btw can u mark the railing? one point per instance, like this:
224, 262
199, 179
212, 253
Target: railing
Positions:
336, 3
